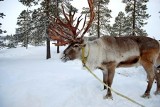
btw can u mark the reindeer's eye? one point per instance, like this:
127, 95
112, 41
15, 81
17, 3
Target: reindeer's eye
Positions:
76, 45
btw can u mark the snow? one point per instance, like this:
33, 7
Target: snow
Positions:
27, 79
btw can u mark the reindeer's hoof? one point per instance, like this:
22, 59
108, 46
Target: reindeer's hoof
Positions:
157, 92
108, 97
146, 95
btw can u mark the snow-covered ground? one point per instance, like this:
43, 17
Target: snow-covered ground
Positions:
27, 79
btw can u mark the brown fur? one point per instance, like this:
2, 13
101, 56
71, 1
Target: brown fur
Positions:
121, 52
129, 62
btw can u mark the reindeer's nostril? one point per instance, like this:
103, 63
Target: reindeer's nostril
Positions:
65, 58
62, 57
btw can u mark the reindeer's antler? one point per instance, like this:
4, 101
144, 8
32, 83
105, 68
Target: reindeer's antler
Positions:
65, 31
92, 14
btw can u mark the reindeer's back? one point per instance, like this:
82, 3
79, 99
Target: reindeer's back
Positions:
119, 43
144, 43
129, 46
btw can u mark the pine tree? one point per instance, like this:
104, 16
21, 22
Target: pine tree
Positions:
11, 41
41, 19
30, 3
24, 21
2, 16
55, 11
119, 27
38, 27
2, 45
102, 18
128, 26
137, 15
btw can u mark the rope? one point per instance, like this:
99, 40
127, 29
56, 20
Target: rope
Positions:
84, 59
112, 89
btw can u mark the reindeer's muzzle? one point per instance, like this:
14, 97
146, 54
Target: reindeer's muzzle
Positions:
65, 58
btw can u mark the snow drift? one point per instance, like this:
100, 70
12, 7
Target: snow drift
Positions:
27, 79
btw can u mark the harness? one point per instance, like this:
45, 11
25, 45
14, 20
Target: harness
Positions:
83, 57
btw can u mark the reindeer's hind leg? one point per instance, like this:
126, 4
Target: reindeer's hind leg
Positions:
149, 68
157, 73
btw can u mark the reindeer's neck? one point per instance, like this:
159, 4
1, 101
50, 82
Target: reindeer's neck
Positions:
92, 52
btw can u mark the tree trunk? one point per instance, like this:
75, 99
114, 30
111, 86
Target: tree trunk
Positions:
48, 55
134, 18
57, 15
58, 48
98, 23
26, 29
120, 30
27, 40
48, 49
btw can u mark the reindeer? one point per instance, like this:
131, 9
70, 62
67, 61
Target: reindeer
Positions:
106, 53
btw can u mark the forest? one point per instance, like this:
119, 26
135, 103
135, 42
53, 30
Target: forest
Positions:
33, 23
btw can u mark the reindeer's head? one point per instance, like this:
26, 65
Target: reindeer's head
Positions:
73, 51
66, 32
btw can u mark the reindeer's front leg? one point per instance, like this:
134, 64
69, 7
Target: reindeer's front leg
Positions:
105, 78
110, 80
108, 76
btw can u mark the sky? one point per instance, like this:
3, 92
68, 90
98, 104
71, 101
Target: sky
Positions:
12, 9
